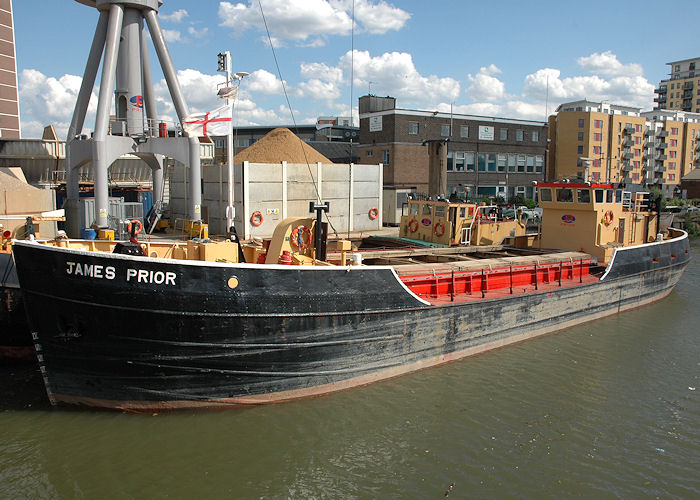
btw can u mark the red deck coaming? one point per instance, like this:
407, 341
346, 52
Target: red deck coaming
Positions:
470, 285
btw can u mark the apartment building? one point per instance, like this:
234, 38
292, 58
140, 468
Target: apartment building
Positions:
681, 92
485, 156
9, 99
605, 142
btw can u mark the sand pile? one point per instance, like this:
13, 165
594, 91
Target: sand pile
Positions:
280, 145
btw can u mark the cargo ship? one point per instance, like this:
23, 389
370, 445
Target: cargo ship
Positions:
194, 327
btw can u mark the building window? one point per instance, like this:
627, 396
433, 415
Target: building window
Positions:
674, 130
370, 153
481, 162
671, 177
504, 134
638, 127
597, 137
469, 158
535, 136
596, 150
385, 156
530, 164
672, 165
512, 163
502, 163
579, 150
637, 140
580, 136
637, 153
598, 123
672, 154
412, 128
464, 131
539, 164
674, 142
580, 123
459, 162
445, 131
491, 166
521, 164
519, 135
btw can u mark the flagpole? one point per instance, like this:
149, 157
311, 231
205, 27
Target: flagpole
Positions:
229, 153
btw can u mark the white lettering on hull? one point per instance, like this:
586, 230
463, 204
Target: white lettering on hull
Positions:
97, 271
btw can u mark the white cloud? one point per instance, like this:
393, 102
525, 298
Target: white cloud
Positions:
310, 22
394, 73
607, 64
321, 71
377, 18
49, 101
486, 87
175, 17
172, 35
264, 82
198, 33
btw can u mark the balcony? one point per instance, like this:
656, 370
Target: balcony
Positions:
626, 168
688, 94
662, 133
648, 132
661, 145
662, 89
627, 156
661, 158
659, 169
688, 86
629, 129
626, 180
660, 99
649, 143
628, 142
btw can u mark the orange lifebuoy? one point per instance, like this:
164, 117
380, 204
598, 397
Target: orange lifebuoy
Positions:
439, 229
297, 237
373, 213
608, 217
139, 226
256, 219
413, 225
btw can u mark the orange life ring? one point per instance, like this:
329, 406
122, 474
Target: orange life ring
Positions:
439, 229
139, 226
256, 219
413, 225
373, 213
608, 217
297, 238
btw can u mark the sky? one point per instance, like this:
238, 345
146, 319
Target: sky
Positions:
505, 59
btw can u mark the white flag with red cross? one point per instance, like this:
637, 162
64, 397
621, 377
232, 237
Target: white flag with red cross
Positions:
217, 122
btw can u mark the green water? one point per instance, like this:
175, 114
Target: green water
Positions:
609, 409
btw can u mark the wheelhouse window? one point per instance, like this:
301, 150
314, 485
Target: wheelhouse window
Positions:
427, 210
583, 195
439, 210
414, 208
599, 195
565, 195
545, 194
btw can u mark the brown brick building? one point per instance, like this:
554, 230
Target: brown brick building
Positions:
485, 156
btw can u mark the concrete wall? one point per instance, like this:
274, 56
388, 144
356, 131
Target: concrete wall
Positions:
284, 190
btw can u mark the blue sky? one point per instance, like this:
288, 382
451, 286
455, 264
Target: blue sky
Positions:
487, 58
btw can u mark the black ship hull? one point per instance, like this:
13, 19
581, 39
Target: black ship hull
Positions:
148, 334
15, 340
